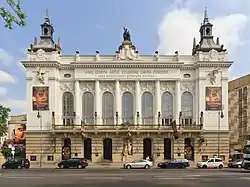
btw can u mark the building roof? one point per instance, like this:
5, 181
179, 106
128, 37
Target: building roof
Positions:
239, 82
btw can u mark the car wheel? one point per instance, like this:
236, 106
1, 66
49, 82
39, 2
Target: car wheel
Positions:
79, 166
19, 167
220, 166
3, 167
128, 167
204, 166
147, 167
61, 166
239, 166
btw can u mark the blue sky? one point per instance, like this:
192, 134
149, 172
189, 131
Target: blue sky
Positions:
90, 25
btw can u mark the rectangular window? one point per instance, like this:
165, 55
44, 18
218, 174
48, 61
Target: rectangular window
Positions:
33, 158
50, 158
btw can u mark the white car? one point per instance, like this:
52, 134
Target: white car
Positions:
211, 163
146, 164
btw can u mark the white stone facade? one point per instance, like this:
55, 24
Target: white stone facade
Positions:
188, 74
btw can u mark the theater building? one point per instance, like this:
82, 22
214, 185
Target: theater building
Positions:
124, 106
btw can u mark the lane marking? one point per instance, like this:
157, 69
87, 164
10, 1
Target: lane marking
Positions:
103, 178
176, 178
23, 177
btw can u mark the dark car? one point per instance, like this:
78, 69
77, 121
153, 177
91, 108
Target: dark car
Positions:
182, 163
235, 164
16, 164
73, 163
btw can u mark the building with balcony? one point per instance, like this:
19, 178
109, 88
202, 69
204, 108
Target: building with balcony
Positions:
126, 105
239, 112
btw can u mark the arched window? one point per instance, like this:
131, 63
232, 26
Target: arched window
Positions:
108, 108
68, 108
88, 108
147, 105
187, 108
127, 107
167, 108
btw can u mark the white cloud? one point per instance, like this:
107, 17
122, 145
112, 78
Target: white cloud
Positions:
6, 77
5, 58
180, 26
3, 91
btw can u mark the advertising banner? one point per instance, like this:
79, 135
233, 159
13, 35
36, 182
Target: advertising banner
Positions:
40, 98
213, 98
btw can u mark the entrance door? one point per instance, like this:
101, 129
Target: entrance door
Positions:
147, 147
107, 149
167, 149
66, 149
87, 149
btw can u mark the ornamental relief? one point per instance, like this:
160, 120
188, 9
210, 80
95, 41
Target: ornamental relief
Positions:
107, 86
147, 86
127, 86
167, 86
67, 87
187, 87
87, 86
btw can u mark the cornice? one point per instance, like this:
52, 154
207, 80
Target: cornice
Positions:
214, 64
75, 65
40, 63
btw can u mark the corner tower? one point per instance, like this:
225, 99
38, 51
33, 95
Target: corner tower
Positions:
206, 37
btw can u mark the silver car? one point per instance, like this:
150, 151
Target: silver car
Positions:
142, 163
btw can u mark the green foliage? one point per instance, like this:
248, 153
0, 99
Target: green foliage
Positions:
4, 115
6, 152
13, 16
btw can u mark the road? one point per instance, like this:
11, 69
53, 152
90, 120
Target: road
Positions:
120, 177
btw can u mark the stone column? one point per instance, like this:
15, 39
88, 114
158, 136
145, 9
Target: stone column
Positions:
157, 101
177, 100
77, 103
138, 101
98, 103
118, 102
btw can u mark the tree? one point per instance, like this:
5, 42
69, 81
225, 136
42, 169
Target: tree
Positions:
4, 115
13, 16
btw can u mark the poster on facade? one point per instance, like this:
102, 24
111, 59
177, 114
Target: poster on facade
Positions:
40, 98
213, 98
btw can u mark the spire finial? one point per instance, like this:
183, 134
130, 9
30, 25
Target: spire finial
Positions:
205, 16
47, 13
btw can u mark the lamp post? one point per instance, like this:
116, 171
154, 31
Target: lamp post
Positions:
39, 117
220, 116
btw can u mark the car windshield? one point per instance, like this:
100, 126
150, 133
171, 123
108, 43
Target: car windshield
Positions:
238, 160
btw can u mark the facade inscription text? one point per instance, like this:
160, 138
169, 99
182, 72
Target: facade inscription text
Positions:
125, 73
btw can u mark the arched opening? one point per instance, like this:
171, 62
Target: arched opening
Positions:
147, 147
127, 107
189, 149
167, 108
66, 149
87, 149
167, 149
147, 104
107, 149
88, 108
187, 108
108, 108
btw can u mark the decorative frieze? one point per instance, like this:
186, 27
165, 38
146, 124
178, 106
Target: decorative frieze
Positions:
167, 86
67, 87
128, 86
147, 86
107, 86
187, 87
87, 86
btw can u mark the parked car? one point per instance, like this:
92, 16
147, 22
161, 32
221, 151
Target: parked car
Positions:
235, 164
79, 163
177, 163
211, 163
16, 163
142, 163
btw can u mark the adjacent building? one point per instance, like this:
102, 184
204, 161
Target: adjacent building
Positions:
125, 105
239, 112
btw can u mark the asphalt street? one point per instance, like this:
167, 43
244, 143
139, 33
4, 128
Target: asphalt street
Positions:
120, 177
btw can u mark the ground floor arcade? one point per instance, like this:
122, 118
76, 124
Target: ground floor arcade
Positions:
50, 148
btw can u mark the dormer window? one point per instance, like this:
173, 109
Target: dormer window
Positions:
45, 31
208, 31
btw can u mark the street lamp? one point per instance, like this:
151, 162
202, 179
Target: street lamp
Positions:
220, 116
41, 137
